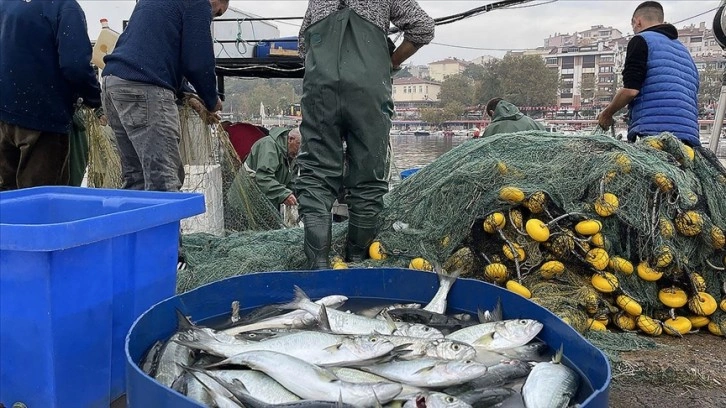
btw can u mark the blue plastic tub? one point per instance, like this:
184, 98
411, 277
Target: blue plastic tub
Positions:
409, 172
213, 301
77, 267
278, 47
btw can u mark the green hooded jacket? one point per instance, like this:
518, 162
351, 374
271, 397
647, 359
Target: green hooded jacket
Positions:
270, 166
508, 119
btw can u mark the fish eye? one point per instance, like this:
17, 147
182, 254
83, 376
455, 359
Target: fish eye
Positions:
427, 328
468, 362
252, 335
455, 346
373, 339
450, 399
522, 322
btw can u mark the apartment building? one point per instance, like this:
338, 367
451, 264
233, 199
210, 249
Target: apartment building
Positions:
439, 70
411, 94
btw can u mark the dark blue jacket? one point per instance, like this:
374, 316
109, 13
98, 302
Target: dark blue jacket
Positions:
668, 98
164, 42
45, 64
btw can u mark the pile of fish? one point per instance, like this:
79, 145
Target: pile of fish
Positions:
312, 354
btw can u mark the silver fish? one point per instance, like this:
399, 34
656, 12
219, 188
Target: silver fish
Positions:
499, 335
427, 372
550, 385
295, 319
195, 391
486, 397
257, 384
314, 383
361, 377
348, 323
435, 400
528, 352
445, 349
496, 376
222, 397
168, 370
379, 311
438, 303
315, 347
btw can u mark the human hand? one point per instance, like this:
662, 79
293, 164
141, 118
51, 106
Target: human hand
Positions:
290, 200
103, 120
218, 106
605, 121
197, 105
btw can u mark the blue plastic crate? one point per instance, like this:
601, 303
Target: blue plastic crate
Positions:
77, 266
212, 301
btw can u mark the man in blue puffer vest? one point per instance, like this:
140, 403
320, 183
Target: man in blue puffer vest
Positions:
660, 81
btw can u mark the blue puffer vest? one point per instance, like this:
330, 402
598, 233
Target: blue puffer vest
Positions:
668, 99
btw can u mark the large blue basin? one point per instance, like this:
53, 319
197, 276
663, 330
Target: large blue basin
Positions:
392, 285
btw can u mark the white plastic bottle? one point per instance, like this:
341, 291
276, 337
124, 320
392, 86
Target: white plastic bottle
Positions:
104, 44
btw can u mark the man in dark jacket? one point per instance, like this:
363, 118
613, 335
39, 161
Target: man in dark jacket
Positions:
270, 165
506, 118
164, 42
660, 81
45, 66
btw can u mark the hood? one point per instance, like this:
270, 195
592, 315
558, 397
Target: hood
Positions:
506, 111
280, 136
669, 30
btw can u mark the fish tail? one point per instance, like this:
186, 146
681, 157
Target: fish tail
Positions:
183, 322
300, 298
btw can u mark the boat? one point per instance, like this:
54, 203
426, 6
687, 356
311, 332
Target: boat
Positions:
421, 132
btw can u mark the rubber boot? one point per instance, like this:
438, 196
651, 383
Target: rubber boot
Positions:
317, 241
359, 239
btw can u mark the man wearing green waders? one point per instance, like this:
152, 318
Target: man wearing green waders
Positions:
347, 97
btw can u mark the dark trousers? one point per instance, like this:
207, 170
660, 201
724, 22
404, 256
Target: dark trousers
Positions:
31, 158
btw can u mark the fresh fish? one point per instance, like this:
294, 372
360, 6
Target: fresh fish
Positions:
515, 401
494, 315
205, 359
260, 335
496, 376
438, 303
251, 402
444, 349
295, 319
528, 352
173, 354
195, 390
150, 361
315, 347
486, 397
378, 311
259, 385
550, 384
438, 321
221, 396
435, 400
499, 335
314, 383
348, 323
361, 377
427, 372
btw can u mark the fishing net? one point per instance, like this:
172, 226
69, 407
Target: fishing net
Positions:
104, 165
658, 209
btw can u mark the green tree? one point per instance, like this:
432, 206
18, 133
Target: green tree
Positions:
435, 116
457, 89
710, 86
525, 80
490, 84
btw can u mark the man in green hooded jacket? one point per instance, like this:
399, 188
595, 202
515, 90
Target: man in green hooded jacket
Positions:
506, 118
270, 164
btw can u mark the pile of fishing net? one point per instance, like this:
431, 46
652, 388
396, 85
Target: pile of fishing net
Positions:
603, 233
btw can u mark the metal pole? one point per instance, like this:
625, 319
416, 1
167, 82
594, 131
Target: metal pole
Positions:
718, 120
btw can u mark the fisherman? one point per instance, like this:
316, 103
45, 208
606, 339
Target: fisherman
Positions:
270, 164
506, 118
45, 66
660, 81
347, 97
164, 42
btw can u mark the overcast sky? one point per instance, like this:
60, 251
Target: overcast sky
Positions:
517, 28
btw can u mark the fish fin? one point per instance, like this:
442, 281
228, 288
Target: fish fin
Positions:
494, 315
402, 350
378, 401
484, 340
323, 319
333, 348
300, 297
424, 369
339, 404
557, 358
241, 385
183, 322
327, 375
389, 321
226, 361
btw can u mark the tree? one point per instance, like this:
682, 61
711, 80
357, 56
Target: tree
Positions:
587, 87
433, 116
490, 85
457, 89
526, 80
710, 87
475, 72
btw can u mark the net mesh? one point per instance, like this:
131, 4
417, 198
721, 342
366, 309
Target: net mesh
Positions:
671, 205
